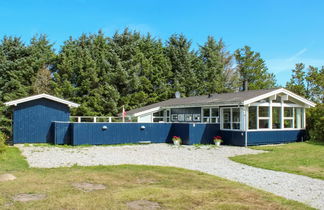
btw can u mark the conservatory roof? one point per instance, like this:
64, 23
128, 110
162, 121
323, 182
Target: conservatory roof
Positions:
46, 96
237, 98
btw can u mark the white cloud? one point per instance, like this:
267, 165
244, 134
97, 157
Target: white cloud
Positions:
278, 65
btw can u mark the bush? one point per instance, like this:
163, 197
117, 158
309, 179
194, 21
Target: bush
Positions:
3, 139
315, 123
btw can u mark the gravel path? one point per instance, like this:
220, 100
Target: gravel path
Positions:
207, 159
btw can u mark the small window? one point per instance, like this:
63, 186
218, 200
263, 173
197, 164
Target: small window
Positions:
210, 115
196, 117
188, 117
180, 117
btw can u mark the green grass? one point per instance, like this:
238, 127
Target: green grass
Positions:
172, 188
304, 158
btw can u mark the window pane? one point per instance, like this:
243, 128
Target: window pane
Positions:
206, 112
276, 117
252, 117
289, 112
263, 123
214, 112
188, 117
227, 125
236, 115
214, 120
263, 111
298, 118
206, 119
236, 126
227, 118
288, 123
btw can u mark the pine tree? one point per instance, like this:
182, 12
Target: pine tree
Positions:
43, 82
252, 69
183, 62
297, 83
218, 74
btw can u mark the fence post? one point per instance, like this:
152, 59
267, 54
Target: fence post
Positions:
79, 119
94, 119
110, 119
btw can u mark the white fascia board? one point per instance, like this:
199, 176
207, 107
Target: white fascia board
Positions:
281, 90
35, 97
146, 111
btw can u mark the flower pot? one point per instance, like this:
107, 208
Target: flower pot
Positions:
217, 143
177, 143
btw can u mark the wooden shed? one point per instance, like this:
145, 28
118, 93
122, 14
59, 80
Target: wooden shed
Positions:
33, 117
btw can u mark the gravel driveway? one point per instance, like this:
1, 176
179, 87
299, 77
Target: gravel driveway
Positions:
207, 159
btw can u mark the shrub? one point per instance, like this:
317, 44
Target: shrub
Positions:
3, 139
315, 123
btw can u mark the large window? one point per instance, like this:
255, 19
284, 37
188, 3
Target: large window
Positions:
231, 118
276, 117
281, 117
210, 115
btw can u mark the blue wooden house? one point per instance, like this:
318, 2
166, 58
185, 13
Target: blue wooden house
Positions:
243, 118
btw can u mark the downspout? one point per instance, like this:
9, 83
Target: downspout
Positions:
245, 125
245, 128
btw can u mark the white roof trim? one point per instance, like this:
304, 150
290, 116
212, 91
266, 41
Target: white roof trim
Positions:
31, 98
146, 111
281, 90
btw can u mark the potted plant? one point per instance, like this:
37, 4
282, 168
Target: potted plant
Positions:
218, 140
176, 140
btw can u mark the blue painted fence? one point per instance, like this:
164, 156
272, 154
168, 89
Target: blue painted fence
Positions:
123, 133
200, 133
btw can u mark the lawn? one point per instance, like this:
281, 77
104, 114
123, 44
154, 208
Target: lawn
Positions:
171, 188
304, 158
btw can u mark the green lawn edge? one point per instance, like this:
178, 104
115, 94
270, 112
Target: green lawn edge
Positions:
301, 158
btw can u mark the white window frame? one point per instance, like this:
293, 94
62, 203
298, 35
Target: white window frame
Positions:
221, 111
282, 105
263, 118
210, 117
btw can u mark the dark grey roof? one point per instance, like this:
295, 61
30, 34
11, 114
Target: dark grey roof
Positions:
213, 99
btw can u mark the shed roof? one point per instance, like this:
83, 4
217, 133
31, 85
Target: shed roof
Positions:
244, 97
46, 96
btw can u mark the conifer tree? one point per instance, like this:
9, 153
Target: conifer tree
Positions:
252, 69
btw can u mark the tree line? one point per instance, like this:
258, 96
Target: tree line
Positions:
104, 73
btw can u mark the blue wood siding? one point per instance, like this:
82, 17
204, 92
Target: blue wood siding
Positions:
275, 137
62, 133
32, 121
235, 138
